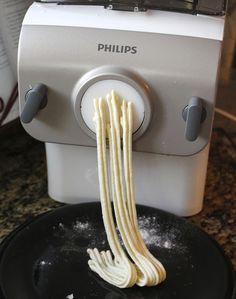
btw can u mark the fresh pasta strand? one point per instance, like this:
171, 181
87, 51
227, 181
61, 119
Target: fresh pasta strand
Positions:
126, 122
147, 274
145, 270
120, 271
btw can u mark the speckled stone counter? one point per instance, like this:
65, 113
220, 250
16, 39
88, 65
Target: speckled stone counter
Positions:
23, 186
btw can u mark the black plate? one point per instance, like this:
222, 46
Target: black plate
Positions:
47, 258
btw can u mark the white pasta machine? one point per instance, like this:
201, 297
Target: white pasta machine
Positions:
165, 62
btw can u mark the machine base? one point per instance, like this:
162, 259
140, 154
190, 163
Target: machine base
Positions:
171, 183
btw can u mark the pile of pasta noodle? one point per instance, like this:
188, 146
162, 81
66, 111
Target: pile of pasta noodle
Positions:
113, 265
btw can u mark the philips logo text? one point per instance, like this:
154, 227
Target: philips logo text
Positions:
117, 49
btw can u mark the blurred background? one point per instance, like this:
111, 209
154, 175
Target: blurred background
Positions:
226, 97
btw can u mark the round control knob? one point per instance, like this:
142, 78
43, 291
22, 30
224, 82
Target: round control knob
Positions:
98, 83
36, 99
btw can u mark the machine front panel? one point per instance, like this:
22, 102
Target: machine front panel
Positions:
172, 70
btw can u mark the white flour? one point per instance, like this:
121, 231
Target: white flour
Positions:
81, 226
153, 236
150, 230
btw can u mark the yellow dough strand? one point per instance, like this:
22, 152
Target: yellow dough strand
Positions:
126, 122
147, 274
145, 269
120, 271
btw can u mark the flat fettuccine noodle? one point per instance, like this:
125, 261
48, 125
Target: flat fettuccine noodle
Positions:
145, 269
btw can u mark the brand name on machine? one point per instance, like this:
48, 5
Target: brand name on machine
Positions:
117, 49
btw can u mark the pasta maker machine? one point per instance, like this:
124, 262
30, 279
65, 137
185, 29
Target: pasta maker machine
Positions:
161, 55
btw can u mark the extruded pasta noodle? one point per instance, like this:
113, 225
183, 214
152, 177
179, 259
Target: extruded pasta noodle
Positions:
140, 266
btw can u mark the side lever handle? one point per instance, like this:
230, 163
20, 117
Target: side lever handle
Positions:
36, 99
194, 114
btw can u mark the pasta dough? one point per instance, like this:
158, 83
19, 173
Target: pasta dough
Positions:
143, 269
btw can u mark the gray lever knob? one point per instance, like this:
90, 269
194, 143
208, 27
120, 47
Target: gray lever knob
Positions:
36, 99
194, 114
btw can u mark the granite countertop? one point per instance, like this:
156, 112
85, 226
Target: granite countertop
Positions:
23, 186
